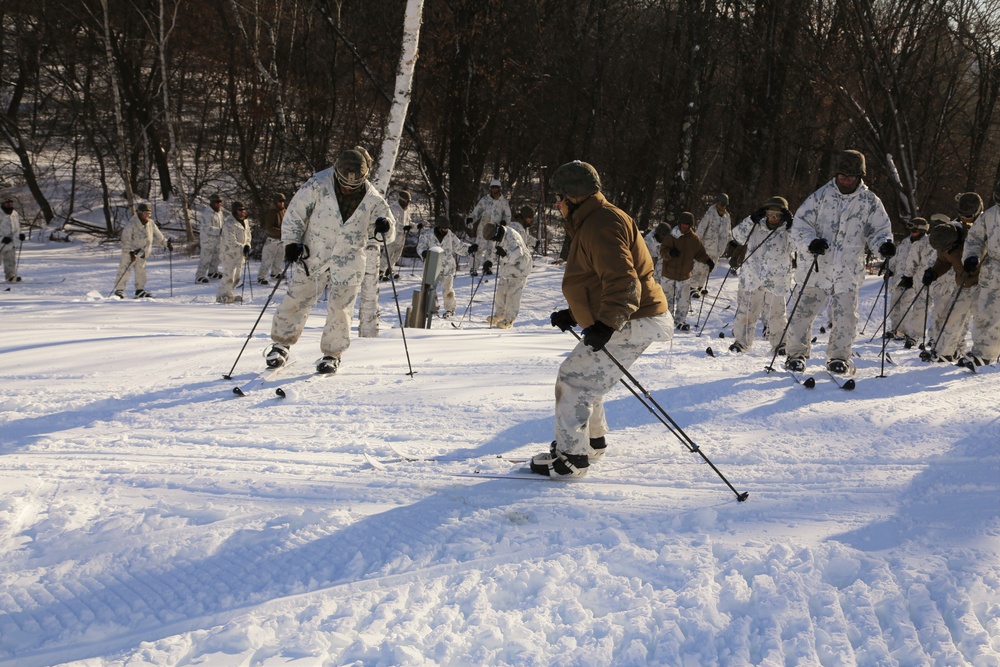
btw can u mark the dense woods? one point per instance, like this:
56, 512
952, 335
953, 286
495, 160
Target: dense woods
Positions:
672, 100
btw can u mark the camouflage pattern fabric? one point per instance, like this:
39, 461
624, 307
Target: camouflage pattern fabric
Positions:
715, 232
137, 237
654, 251
678, 293
951, 341
848, 222
768, 265
272, 259
752, 305
529, 240
488, 211
585, 376
452, 246
10, 225
209, 232
342, 253
511, 275
402, 218
235, 235
918, 258
983, 242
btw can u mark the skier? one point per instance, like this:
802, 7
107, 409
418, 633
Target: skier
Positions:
329, 222
513, 267
833, 225
401, 214
715, 231
918, 253
522, 225
680, 249
272, 255
612, 293
10, 229
485, 217
442, 237
953, 314
765, 275
653, 239
137, 239
209, 232
982, 254
234, 247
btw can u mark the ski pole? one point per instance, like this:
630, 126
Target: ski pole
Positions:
17, 260
937, 339
908, 308
885, 315
399, 312
496, 279
281, 276
649, 402
712, 307
805, 281
170, 259
927, 310
474, 290
875, 303
123, 273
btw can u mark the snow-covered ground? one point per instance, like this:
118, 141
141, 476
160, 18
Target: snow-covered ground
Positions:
150, 517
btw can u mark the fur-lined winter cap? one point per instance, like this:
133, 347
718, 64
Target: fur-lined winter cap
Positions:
686, 218
849, 163
576, 179
970, 204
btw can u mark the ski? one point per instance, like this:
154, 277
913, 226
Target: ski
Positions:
710, 352
848, 385
282, 393
259, 379
807, 381
403, 456
31, 281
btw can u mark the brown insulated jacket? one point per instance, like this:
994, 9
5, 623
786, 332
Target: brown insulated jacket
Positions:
691, 248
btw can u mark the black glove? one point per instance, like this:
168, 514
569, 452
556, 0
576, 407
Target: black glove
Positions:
5, 240
758, 215
420, 226
474, 248
786, 217
407, 228
246, 251
294, 252
382, 225
970, 264
423, 254
488, 265
674, 251
170, 245
597, 335
468, 221
562, 319
498, 234
906, 282
818, 246
711, 266
929, 277
887, 249
131, 255
139, 252
501, 252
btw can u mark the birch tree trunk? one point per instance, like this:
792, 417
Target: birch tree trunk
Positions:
368, 307
123, 160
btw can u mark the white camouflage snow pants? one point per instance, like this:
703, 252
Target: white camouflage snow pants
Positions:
700, 274
678, 293
750, 306
511, 279
912, 326
9, 256
843, 317
951, 341
232, 270
208, 261
586, 376
986, 327
446, 281
139, 266
294, 309
272, 259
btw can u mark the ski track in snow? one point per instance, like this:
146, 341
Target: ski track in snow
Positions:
149, 517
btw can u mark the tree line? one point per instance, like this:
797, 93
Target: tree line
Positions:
672, 100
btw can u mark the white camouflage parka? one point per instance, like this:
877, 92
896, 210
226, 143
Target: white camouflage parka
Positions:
767, 266
983, 242
313, 218
714, 231
847, 222
451, 244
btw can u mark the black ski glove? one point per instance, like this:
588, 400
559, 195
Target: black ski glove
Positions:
597, 335
906, 282
501, 252
468, 221
674, 251
140, 253
786, 218
887, 249
498, 234
294, 252
488, 265
758, 215
5, 240
246, 251
20, 237
970, 264
407, 228
382, 225
711, 266
474, 248
420, 226
929, 277
170, 245
818, 246
423, 254
562, 319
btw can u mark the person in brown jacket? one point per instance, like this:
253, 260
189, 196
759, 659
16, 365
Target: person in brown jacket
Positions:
272, 255
680, 249
611, 289
952, 316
